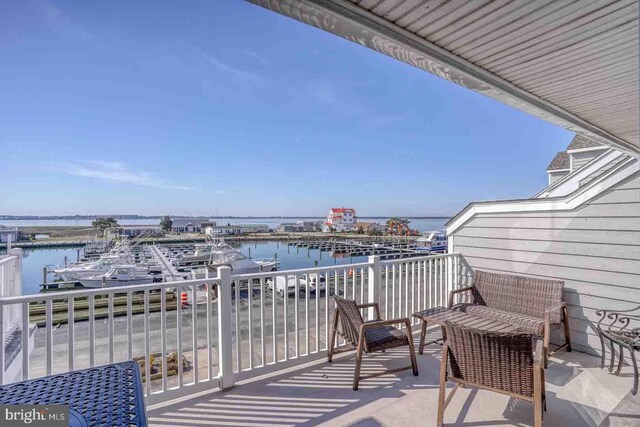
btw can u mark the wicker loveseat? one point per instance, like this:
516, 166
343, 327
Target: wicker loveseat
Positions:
532, 304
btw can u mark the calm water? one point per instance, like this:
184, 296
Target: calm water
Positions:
418, 224
290, 258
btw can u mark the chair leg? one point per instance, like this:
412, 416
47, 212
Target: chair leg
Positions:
613, 355
443, 385
567, 334
412, 352
604, 350
634, 390
332, 340
537, 395
620, 357
356, 374
545, 342
423, 336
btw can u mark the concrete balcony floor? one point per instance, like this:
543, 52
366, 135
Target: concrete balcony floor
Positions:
579, 393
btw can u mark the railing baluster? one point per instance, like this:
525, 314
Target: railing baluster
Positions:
386, 292
110, 326
49, 330
179, 335
209, 294
71, 329
25, 341
297, 311
393, 291
307, 292
318, 292
238, 327
92, 331
147, 349
163, 336
129, 326
263, 349
194, 332
431, 287
274, 317
286, 317
413, 291
250, 319
326, 310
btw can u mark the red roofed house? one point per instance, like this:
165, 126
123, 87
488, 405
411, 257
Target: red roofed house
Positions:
340, 219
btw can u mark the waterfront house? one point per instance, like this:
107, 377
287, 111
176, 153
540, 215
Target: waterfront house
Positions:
299, 227
7, 233
136, 230
370, 227
340, 220
572, 63
235, 229
187, 225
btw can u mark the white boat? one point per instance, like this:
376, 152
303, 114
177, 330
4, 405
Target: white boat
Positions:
218, 253
434, 241
100, 266
121, 275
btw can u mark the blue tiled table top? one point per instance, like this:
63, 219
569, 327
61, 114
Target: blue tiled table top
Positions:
109, 395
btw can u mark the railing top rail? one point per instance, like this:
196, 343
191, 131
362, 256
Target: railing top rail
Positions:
419, 258
4, 259
102, 291
298, 271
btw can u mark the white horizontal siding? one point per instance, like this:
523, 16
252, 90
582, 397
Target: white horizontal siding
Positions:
594, 249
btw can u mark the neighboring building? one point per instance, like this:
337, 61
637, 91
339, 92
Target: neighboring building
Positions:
340, 219
187, 225
205, 224
287, 227
235, 229
136, 230
583, 229
299, 227
558, 167
579, 152
7, 232
370, 228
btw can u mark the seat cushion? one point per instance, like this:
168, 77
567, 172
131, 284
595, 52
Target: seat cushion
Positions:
533, 325
385, 337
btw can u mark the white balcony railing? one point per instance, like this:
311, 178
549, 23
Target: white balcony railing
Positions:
195, 335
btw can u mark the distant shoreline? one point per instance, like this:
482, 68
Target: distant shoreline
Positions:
91, 217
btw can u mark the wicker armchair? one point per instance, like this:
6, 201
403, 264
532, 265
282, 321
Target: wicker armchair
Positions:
495, 361
369, 337
531, 304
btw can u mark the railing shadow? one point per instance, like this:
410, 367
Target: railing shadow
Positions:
309, 396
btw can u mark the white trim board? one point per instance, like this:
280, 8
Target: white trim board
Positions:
566, 203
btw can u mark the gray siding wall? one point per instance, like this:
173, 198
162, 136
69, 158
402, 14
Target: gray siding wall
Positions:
555, 176
580, 159
595, 249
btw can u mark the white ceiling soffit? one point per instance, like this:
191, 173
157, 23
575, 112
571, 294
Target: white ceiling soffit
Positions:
571, 62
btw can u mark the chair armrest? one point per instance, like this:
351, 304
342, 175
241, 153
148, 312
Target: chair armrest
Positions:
557, 307
457, 291
374, 305
539, 353
378, 323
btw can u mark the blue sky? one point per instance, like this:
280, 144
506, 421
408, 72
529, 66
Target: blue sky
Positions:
192, 107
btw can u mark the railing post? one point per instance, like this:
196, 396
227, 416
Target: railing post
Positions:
225, 328
373, 290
